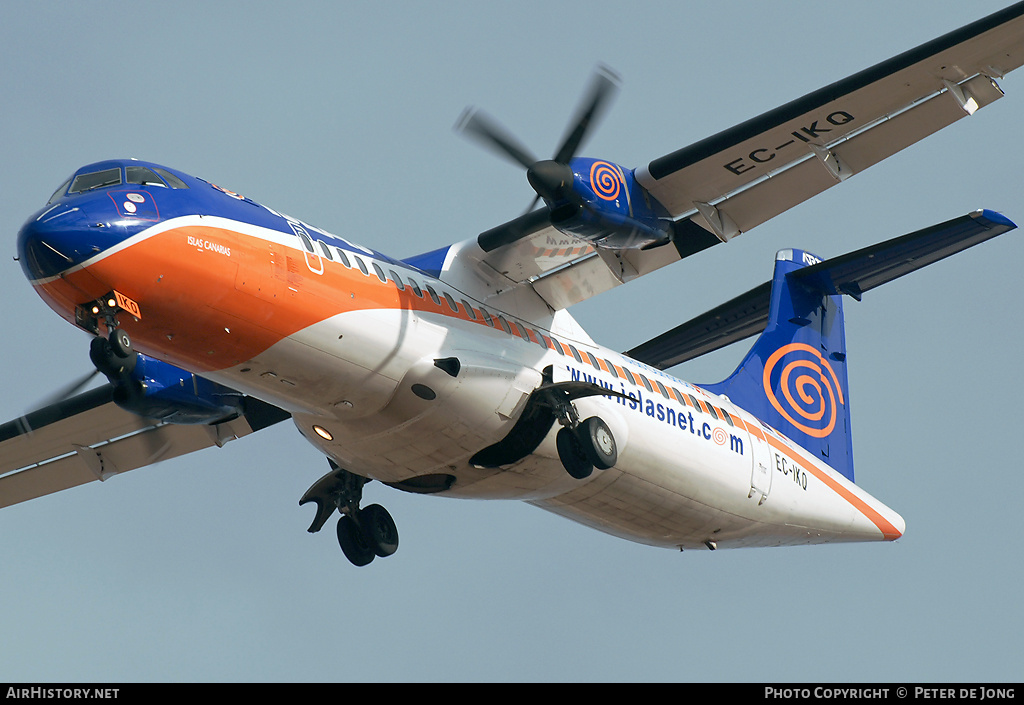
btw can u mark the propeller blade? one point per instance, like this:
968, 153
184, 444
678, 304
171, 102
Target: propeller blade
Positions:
480, 126
67, 391
507, 233
603, 87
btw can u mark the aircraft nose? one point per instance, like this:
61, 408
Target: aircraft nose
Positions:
54, 240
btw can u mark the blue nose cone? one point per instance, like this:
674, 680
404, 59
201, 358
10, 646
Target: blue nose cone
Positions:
56, 239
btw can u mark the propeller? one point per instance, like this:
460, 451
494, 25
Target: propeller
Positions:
68, 391
551, 178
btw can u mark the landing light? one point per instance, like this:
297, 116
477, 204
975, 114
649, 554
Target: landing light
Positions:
323, 433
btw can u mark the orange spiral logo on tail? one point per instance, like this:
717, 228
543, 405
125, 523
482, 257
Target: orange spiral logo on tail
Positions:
606, 180
809, 386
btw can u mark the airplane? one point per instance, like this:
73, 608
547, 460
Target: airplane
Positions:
460, 372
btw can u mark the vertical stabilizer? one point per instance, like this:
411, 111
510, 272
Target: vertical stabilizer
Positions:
794, 378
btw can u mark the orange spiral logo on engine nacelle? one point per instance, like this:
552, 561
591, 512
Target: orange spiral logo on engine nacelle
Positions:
809, 386
606, 180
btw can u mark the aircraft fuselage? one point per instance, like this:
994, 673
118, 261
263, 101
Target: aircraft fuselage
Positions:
403, 373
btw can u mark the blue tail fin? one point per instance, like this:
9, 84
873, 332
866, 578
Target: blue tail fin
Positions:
794, 378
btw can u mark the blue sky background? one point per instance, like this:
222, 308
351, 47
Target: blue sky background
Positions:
200, 569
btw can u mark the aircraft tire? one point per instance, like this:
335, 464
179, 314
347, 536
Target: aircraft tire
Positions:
379, 529
572, 454
107, 361
598, 443
121, 343
353, 542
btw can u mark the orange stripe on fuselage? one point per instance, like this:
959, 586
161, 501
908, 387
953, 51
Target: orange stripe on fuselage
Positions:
889, 531
212, 298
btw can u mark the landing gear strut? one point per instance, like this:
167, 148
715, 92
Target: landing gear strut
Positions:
363, 534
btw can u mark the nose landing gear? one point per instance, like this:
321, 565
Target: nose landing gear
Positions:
363, 534
114, 355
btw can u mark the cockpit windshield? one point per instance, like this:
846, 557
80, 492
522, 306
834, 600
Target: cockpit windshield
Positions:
96, 179
140, 175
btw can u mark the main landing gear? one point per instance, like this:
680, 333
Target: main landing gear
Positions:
363, 534
582, 445
587, 446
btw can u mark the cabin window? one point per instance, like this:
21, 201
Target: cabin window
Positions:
661, 388
611, 368
594, 362
415, 287
361, 265
725, 415
379, 272
647, 383
343, 257
487, 316
397, 280
433, 295
696, 404
575, 354
326, 250
469, 309
711, 410
451, 302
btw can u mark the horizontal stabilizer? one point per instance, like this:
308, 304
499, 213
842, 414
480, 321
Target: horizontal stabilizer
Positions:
853, 274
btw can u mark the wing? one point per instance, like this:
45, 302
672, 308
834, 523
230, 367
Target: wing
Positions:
88, 437
731, 182
854, 274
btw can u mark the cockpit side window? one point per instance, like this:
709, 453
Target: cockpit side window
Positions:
59, 192
172, 180
96, 179
142, 176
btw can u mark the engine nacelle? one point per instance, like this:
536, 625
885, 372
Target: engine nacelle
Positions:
609, 208
158, 390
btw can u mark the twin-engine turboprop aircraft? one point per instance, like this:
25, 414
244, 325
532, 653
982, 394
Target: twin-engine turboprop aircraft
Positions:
460, 372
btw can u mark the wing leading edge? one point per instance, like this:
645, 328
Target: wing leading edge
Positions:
89, 437
853, 274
